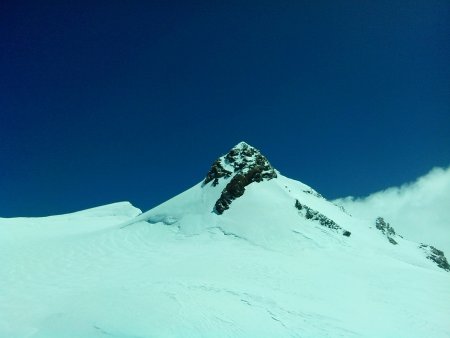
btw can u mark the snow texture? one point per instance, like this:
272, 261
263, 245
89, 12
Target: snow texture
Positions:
261, 269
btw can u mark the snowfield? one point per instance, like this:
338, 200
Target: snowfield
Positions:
262, 269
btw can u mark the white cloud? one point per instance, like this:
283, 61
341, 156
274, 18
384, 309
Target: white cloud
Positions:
419, 210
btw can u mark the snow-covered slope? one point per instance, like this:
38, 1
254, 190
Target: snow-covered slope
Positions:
277, 261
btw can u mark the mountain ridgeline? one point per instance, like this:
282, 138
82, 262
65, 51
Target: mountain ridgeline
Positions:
244, 165
245, 252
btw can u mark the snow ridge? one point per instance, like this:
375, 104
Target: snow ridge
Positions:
281, 262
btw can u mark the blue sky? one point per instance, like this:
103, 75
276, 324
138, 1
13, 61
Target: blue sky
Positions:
110, 101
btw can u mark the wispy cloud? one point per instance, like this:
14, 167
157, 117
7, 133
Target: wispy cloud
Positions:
419, 210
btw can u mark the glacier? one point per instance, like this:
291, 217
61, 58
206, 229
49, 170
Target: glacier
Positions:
261, 268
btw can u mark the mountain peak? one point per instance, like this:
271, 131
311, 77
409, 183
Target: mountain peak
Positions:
244, 164
241, 145
241, 159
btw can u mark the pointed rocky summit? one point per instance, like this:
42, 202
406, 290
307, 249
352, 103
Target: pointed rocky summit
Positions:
244, 164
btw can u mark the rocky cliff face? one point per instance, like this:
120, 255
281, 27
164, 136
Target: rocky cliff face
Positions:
436, 256
386, 230
245, 165
323, 220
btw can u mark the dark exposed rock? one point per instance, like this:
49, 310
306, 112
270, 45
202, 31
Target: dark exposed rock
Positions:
236, 187
239, 160
233, 190
323, 220
436, 256
217, 171
313, 192
386, 229
392, 241
247, 165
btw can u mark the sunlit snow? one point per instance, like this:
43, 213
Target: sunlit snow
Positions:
179, 270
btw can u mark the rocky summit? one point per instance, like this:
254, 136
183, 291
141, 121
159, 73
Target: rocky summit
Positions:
245, 165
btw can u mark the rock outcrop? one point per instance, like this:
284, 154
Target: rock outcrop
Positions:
436, 256
216, 172
386, 230
245, 165
323, 220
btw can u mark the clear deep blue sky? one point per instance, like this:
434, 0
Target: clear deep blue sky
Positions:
121, 100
